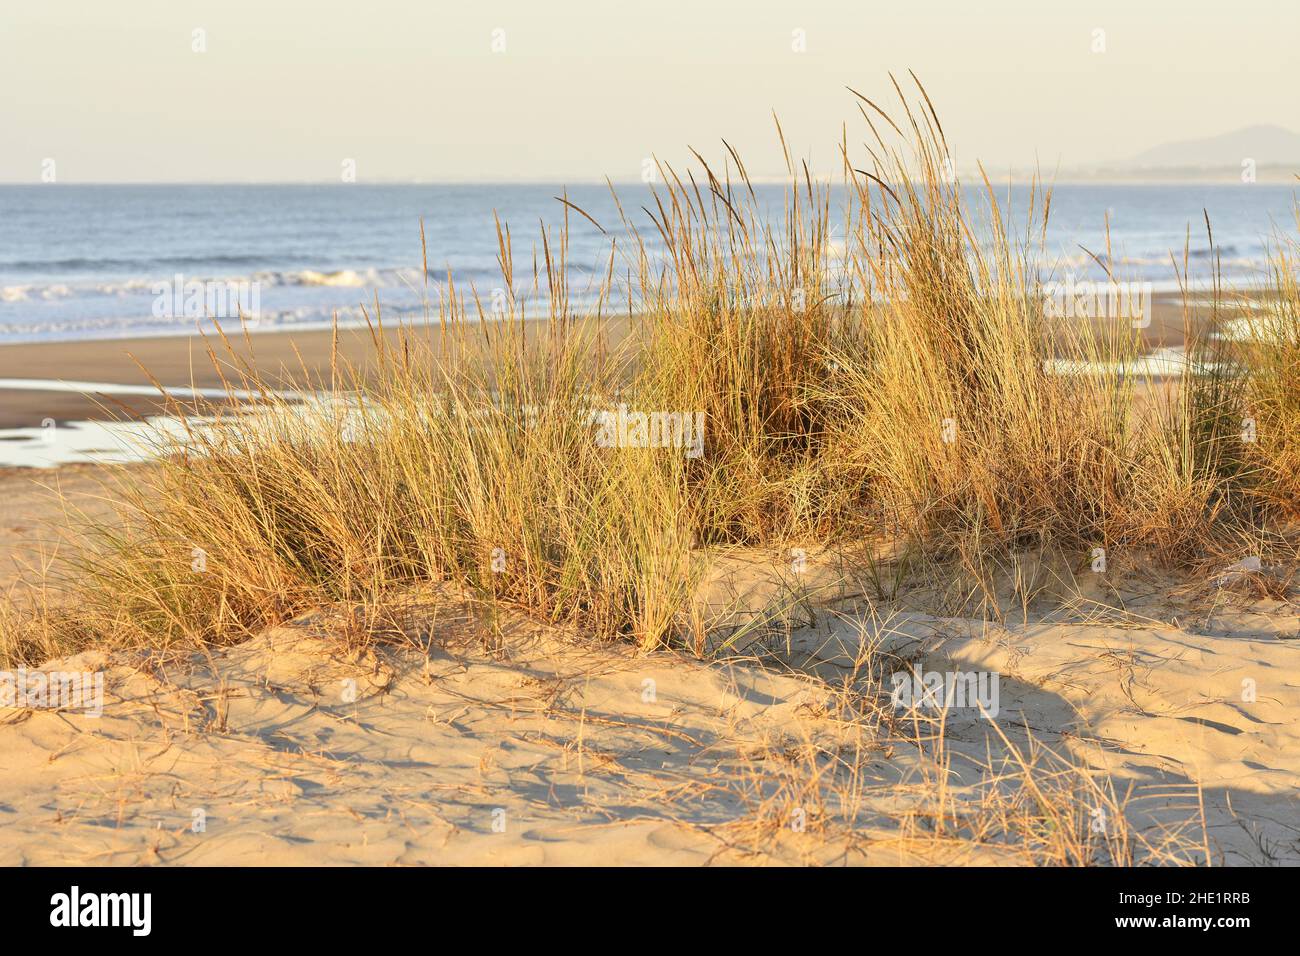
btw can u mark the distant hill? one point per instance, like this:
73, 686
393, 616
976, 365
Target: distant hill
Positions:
1210, 159
1266, 144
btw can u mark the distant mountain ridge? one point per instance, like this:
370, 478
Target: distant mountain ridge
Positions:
1275, 151
1266, 144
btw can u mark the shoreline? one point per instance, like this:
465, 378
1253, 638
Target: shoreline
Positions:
39, 381
182, 362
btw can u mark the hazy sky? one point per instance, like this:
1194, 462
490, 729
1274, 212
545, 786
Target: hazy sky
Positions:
289, 89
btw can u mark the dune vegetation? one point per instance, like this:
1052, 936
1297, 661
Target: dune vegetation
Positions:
881, 372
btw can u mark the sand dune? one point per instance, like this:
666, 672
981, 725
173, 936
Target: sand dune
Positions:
450, 734
444, 735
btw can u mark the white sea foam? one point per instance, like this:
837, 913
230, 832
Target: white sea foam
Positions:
114, 388
79, 442
1267, 328
344, 277
1158, 363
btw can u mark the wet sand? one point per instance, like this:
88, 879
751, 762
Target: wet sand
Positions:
285, 359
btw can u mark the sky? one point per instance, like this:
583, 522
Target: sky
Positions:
577, 90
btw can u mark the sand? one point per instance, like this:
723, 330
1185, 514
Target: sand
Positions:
450, 739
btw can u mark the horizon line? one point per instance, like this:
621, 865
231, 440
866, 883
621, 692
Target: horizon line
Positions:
1176, 176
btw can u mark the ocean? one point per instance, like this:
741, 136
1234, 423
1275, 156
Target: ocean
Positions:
108, 261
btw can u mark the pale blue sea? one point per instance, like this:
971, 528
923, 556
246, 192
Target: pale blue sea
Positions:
83, 261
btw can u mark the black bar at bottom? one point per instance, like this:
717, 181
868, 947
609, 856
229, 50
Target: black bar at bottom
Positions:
339, 906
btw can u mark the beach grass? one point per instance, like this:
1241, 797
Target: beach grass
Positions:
900, 383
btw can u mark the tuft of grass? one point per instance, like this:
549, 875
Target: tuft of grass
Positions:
482, 471
975, 422
740, 326
1271, 384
